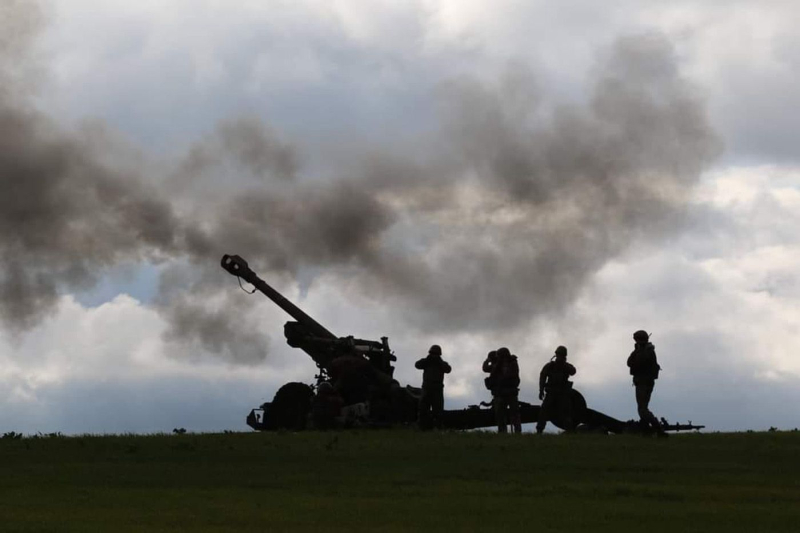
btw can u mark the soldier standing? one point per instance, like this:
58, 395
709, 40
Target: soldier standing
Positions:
503, 381
431, 404
644, 368
554, 380
351, 376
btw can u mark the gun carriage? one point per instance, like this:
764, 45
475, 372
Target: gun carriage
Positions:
362, 373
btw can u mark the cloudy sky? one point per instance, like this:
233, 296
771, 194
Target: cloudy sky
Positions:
525, 174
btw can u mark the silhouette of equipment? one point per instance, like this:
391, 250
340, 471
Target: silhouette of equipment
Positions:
362, 372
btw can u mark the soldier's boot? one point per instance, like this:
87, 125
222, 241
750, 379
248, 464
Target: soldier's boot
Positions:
648, 419
425, 421
500, 415
659, 428
541, 423
516, 421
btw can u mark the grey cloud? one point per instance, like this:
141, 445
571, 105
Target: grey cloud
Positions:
65, 217
318, 225
496, 222
575, 186
756, 119
747, 60
248, 144
67, 214
20, 21
225, 331
558, 190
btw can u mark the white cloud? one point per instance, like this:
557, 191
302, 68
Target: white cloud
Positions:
719, 324
171, 69
75, 369
723, 298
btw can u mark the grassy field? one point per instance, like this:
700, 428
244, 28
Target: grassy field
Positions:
402, 480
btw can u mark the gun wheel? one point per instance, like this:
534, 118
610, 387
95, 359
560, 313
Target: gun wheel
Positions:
577, 410
291, 406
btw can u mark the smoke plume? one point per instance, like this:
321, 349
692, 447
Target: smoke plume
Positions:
555, 192
502, 219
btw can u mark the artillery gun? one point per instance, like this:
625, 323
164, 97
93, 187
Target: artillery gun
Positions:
362, 371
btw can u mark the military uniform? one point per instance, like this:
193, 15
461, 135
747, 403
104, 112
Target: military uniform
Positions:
431, 404
351, 376
554, 381
503, 381
326, 409
644, 368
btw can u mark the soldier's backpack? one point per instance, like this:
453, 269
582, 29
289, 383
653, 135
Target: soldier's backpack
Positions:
643, 363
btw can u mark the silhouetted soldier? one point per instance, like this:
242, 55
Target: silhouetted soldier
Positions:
351, 376
554, 381
644, 369
326, 409
503, 381
431, 404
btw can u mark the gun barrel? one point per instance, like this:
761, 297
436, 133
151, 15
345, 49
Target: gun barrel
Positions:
238, 267
682, 427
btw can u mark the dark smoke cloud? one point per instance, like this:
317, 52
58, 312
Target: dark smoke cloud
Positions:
244, 144
225, 329
65, 217
501, 220
560, 190
68, 214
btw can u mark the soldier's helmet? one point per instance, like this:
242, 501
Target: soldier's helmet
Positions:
504, 352
325, 388
435, 350
561, 351
641, 336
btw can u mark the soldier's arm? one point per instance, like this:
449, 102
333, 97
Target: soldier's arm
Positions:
654, 358
571, 369
446, 367
543, 377
421, 364
488, 365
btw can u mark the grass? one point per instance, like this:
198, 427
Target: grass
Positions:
401, 480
